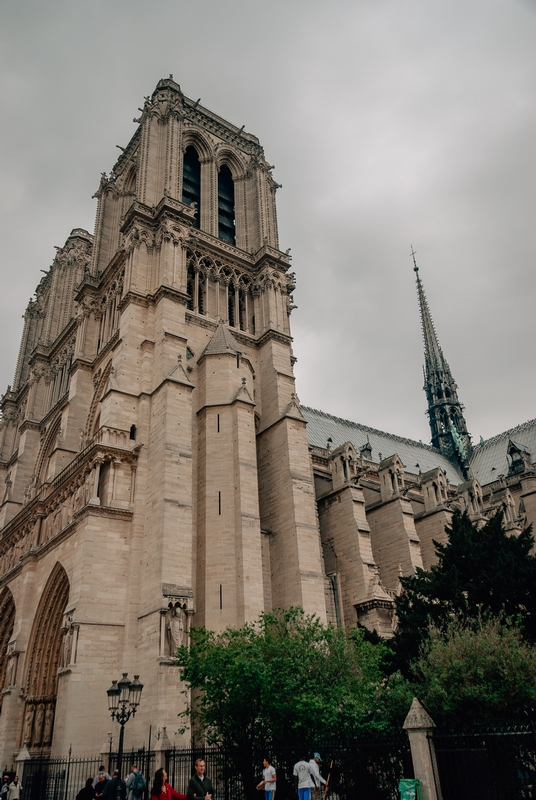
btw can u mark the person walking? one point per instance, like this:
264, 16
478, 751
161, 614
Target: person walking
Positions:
268, 780
199, 786
102, 771
303, 780
88, 792
116, 789
135, 783
161, 790
5, 786
99, 785
318, 791
15, 788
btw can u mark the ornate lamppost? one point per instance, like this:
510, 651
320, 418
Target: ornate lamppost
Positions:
123, 700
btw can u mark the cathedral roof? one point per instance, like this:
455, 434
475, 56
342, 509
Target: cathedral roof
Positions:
416, 456
490, 458
222, 341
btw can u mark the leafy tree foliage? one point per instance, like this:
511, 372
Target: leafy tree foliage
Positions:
288, 677
480, 571
477, 672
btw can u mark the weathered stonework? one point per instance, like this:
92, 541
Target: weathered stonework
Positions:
157, 468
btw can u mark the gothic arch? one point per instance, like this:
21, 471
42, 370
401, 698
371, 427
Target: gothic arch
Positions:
99, 390
229, 157
199, 142
7, 623
44, 660
47, 446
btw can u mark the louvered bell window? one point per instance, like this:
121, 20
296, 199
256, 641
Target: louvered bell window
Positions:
226, 206
191, 181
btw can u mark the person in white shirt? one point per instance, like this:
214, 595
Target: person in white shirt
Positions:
319, 781
303, 779
268, 780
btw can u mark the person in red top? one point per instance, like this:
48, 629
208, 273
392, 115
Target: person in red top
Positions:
161, 788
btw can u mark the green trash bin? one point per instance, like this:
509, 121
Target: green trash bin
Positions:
410, 789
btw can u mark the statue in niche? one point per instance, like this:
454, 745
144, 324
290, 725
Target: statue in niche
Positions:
38, 727
176, 627
68, 630
11, 672
28, 724
49, 722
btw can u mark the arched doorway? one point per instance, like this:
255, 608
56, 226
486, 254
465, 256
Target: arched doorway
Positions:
44, 660
7, 622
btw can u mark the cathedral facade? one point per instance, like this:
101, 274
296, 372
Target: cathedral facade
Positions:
158, 469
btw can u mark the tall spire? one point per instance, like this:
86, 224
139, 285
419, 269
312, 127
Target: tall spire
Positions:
445, 412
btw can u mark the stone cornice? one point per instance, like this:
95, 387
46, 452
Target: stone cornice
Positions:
272, 334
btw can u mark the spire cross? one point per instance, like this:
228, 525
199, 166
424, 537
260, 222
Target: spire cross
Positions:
413, 253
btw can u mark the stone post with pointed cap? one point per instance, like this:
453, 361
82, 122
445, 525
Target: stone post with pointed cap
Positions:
162, 745
419, 724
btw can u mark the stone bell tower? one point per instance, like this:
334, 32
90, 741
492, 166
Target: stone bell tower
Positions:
153, 447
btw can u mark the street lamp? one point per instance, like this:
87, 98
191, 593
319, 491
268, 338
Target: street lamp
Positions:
123, 700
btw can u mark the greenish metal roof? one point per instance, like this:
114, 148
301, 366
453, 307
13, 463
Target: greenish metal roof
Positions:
416, 456
489, 459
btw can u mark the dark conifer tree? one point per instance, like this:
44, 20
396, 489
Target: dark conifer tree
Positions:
480, 572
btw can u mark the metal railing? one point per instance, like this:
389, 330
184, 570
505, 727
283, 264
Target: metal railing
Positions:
486, 764
368, 769
62, 778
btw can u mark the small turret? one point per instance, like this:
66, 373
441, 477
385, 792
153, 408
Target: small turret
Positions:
445, 412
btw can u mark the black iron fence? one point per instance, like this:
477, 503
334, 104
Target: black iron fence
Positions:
489, 764
369, 769
56, 778
62, 778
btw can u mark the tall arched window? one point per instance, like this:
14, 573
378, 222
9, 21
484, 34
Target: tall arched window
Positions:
191, 181
190, 288
226, 206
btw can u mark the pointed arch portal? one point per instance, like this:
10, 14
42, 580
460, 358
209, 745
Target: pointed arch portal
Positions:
44, 661
7, 622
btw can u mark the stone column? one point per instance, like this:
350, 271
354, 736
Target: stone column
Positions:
419, 725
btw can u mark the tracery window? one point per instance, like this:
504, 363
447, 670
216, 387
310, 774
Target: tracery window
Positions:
226, 206
191, 182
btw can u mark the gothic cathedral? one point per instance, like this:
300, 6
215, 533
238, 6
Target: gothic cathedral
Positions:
159, 470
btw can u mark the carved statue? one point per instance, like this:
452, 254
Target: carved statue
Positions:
175, 629
38, 727
28, 724
67, 642
49, 723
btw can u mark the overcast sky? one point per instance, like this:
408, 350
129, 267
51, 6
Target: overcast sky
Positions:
390, 122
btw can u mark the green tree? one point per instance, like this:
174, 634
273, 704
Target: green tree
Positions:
479, 571
288, 677
476, 672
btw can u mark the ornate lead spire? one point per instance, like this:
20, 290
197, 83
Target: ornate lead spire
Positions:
445, 412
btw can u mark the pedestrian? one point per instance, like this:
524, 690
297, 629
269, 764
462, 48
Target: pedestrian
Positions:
161, 790
88, 792
102, 771
99, 785
318, 780
199, 786
15, 788
5, 786
303, 780
135, 783
115, 789
268, 780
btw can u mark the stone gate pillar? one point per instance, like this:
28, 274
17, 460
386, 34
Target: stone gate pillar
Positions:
419, 725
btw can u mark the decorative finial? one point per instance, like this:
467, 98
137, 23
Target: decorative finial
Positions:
413, 253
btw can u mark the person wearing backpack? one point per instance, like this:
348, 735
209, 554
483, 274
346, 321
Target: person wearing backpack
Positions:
135, 784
